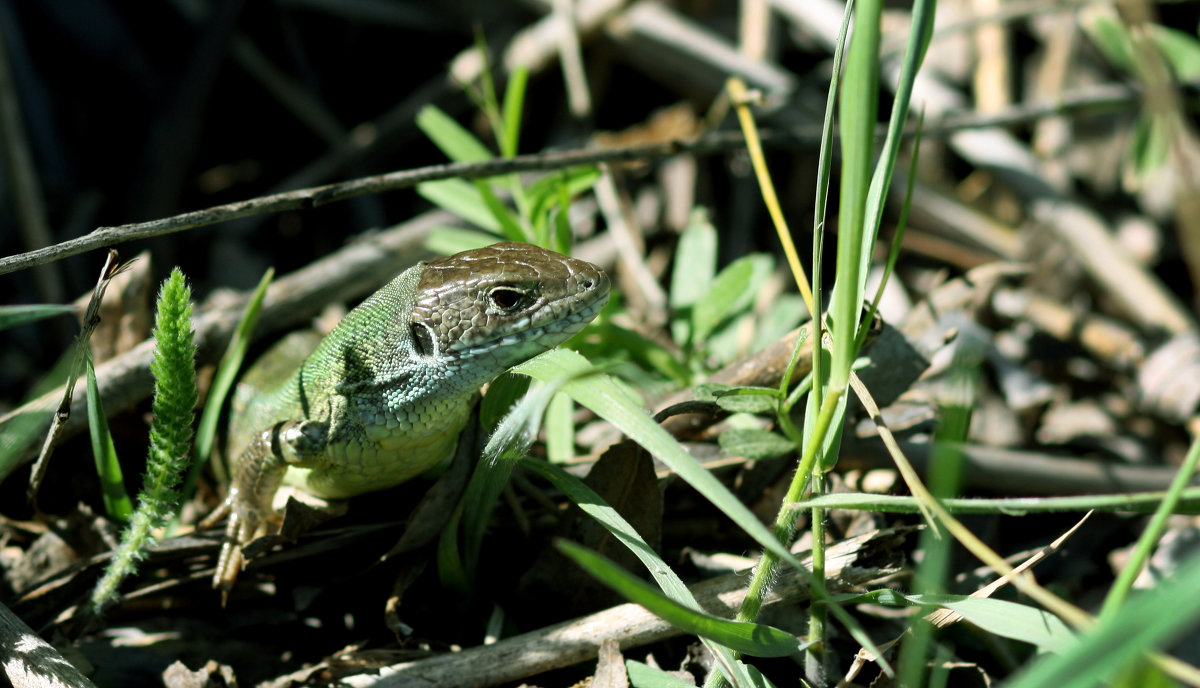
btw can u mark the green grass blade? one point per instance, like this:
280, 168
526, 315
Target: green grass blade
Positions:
754, 639
544, 193
446, 241
606, 398
11, 316
117, 504
510, 226
227, 371
1149, 620
1151, 535
560, 429
514, 104
646, 676
920, 32
695, 263
461, 198
859, 104
647, 352
999, 617
1130, 502
731, 292
594, 506
450, 137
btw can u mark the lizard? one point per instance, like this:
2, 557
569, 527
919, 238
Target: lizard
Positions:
385, 395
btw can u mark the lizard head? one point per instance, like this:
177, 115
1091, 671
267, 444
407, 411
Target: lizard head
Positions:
480, 312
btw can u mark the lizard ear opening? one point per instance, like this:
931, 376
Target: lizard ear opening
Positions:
423, 340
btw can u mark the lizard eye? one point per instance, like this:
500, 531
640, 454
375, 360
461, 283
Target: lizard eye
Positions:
423, 340
506, 298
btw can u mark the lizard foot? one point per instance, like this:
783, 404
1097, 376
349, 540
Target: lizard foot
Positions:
243, 527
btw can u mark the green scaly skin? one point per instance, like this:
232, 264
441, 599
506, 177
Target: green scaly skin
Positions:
385, 395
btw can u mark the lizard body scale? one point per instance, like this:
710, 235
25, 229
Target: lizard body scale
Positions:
386, 393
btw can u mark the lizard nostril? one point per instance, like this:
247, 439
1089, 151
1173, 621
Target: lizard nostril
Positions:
588, 284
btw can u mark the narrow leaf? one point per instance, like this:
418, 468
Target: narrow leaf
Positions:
450, 137
462, 199
755, 444
112, 485
227, 371
11, 316
758, 640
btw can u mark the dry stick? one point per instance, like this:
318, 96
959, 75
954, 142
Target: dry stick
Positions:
1065, 610
1097, 100
27, 661
304, 199
944, 617
91, 319
578, 640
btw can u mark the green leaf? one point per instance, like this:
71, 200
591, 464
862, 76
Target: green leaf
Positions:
560, 429
646, 676
999, 617
11, 316
1149, 145
1180, 49
607, 399
758, 640
227, 371
1108, 33
514, 102
112, 484
731, 292
737, 399
645, 351
450, 137
510, 226
462, 199
783, 315
544, 193
502, 395
446, 241
1150, 619
451, 572
755, 444
594, 506
695, 260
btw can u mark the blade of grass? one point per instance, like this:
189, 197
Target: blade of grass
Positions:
1132, 502
112, 484
11, 316
227, 371
604, 396
594, 506
450, 137
514, 103
1000, 617
1146, 621
462, 199
1120, 589
754, 639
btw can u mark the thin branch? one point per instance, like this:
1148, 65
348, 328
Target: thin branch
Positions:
1090, 101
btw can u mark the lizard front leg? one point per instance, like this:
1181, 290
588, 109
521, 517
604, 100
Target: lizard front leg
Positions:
257, 475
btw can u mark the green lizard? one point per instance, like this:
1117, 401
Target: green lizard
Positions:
385, 395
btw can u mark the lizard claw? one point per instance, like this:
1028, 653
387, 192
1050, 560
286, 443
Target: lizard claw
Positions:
241, 529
